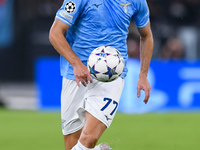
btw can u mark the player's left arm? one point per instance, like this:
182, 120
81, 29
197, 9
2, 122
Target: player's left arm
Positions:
146, 50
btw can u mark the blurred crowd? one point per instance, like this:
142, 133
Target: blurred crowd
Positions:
175, 26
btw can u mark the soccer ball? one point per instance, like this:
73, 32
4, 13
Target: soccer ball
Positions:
70, 7
105, 63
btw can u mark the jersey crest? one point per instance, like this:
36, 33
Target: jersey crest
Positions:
125, 6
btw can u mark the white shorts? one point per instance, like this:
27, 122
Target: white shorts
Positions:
100, 99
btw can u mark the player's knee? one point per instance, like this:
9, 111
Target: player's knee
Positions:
90, 140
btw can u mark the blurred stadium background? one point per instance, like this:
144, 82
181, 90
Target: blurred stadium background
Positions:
30, 81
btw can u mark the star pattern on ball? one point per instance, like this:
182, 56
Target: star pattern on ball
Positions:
110, 71
118, 52
93, 71
99, 59
103, 53
119, 57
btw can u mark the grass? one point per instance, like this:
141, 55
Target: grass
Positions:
155, 132
32, 130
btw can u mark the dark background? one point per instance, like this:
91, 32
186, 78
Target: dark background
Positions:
175, 26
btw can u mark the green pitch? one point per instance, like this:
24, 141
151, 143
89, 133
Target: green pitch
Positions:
30, 130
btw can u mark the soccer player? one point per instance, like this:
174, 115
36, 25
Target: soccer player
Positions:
87, 105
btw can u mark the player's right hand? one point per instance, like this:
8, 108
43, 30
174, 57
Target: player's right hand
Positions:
82, 74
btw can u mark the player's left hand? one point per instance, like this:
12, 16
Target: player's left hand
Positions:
143, 84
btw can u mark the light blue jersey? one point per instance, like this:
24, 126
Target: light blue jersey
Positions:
95, 23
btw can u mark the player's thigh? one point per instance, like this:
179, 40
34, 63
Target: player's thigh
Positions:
72, 99
102, 100
92, 130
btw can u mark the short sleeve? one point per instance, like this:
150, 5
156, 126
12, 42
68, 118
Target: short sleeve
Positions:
141, 17
70, 10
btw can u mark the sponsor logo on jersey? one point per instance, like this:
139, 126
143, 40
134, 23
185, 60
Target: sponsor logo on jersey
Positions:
70, 7
65, 15
97, 5
125, 6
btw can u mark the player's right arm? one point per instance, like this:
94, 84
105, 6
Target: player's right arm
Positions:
57, 39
